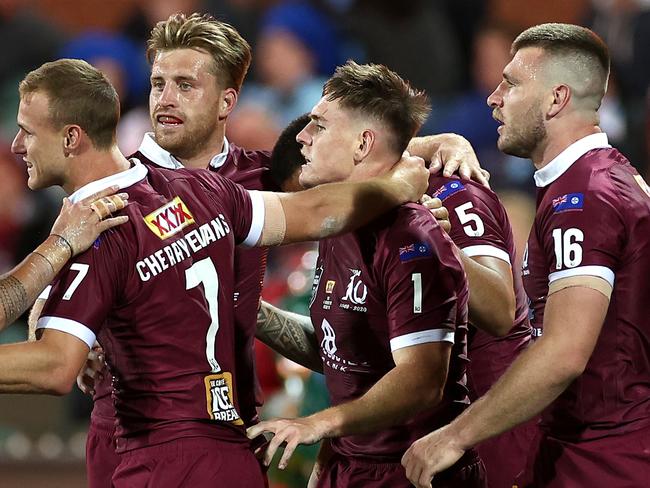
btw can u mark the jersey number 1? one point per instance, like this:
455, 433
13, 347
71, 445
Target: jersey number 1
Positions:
204, 272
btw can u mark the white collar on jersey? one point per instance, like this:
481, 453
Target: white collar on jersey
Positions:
563, 161
123, 179
156, 154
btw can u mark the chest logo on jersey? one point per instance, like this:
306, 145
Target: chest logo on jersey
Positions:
355, 293
568, 202
448, 190
329, 351
169, 219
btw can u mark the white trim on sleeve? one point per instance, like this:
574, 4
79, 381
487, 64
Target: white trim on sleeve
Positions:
421, 337
257, 223
599, 271
487, 250
71, 327
45, 294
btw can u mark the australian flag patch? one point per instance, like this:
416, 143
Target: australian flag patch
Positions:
448, 190
414, 251
570, 201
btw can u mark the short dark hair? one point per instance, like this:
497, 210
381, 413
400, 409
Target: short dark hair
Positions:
77, 94
229, 50
565, 39
286, 157
376, 91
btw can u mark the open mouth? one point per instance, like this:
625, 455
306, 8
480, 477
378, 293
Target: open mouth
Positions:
169, 120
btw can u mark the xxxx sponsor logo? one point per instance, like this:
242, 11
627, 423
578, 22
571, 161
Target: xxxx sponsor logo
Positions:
169, 219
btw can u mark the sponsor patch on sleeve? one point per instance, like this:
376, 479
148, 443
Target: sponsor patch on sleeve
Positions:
414, 251
568, 202
448, 190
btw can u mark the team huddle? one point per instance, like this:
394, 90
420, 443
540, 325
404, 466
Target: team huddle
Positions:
419, 320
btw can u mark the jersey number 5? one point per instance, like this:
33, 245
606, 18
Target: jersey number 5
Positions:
465, 217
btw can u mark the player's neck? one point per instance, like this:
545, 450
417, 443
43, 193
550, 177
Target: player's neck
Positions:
558, 140
211, 148
373, 166
94, 166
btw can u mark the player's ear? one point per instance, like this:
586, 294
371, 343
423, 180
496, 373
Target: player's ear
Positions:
72, 135
227, 102
561, 94
365, 143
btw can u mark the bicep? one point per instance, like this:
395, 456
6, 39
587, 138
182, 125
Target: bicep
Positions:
429, 362
573, 319
499, 266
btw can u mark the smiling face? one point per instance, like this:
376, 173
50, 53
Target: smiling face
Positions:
39, 143
329, 141
517, 104
186, 103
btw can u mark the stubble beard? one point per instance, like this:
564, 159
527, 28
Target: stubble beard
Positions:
195, 135
525, 136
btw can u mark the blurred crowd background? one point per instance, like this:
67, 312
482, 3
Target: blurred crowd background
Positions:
453, 49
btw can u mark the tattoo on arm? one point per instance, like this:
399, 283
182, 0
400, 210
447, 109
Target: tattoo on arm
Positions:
13, 297
289, 334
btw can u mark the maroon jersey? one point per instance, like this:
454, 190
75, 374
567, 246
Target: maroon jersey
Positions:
480, 227
593, 219
159, 289
396, 283
249, 169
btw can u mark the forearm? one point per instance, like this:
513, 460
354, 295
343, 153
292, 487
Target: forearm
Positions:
32, 320
21, 287
536, 378
289, 334
337, 208
491, 298
384, 405
28, 367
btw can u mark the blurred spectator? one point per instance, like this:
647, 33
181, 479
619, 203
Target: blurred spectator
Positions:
523, 15
625, 27
414, 38
124, 63
470, 116
29, 41
74, 16
297, 48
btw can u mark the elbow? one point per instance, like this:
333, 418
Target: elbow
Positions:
59, 381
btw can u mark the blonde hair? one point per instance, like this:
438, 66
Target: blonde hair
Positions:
229, 50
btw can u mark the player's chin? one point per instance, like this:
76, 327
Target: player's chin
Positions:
307, 178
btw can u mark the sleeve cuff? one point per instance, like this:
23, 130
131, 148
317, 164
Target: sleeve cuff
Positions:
422, 337
71, 327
